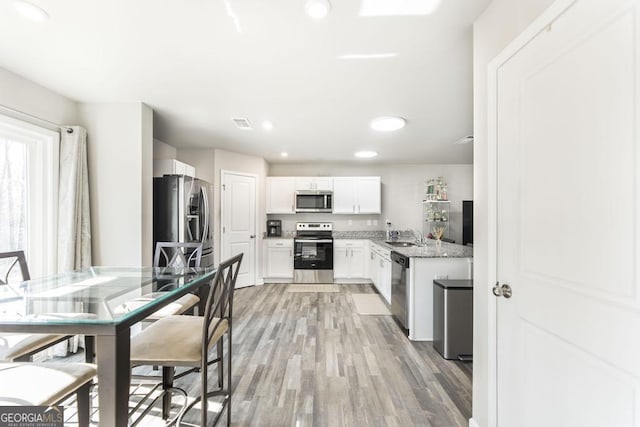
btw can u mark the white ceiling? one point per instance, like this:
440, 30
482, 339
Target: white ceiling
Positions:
187, 61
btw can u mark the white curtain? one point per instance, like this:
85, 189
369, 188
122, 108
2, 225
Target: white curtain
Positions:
74, 219
74, 222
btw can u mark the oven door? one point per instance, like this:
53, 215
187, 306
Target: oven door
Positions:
313, 254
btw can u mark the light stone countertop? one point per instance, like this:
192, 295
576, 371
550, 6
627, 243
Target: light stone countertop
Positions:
431, 250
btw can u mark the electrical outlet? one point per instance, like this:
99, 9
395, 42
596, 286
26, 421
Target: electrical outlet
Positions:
375, 222
350, 222
441, 276
369, 222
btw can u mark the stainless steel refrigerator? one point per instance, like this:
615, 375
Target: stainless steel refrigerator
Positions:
182, 212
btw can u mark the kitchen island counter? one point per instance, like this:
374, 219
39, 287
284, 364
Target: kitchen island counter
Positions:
431, 250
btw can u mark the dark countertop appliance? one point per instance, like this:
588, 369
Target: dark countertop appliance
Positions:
313, 253
274, 228
182, 213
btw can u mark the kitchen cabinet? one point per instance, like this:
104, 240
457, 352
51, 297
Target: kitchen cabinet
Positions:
163, 167
310, 183
349, 261
280, 195
380, 270
356, 195
278, 264
435, 214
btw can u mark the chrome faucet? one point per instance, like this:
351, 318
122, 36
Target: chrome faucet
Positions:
420, 240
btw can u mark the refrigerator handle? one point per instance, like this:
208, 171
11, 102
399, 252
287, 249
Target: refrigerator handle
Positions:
207, 216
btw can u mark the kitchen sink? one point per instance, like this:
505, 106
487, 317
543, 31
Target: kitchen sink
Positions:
399, 244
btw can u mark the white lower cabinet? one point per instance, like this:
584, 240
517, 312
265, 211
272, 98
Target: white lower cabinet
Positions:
349, 259
380, 270
278, 265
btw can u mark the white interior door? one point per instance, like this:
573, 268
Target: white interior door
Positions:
567, 147
239, 223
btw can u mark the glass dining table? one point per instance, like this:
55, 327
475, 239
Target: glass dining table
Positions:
89, 302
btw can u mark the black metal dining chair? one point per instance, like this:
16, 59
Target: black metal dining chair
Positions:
19, 346
185, 341
169, 254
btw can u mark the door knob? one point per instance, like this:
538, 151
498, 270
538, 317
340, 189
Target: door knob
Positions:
506, 291
253, 236
497, 290
502, 291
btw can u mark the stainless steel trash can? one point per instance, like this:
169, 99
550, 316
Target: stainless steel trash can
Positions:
453, 318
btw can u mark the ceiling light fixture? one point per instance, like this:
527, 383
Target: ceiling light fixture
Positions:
284, 154
398, 8
387, 124
365, 154
267, 125
367, 55
317, 9
31, 11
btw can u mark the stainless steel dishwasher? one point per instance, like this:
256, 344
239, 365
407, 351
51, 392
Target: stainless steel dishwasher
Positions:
400, 288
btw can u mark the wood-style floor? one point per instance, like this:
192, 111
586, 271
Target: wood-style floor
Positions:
308, 359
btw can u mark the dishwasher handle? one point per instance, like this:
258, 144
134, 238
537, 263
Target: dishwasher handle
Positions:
398, 258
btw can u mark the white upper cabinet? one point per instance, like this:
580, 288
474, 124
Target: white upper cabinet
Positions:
163, 167
280, 195
310, 183
356, 195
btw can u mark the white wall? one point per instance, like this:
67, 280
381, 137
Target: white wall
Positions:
400, 183
500, 24
162, 150
24, 95
203, 159
119, 149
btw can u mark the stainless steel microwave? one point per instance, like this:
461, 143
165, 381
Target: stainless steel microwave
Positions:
314, 201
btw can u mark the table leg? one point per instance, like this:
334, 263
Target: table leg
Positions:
114, 377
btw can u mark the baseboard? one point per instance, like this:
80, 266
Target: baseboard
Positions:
473, 423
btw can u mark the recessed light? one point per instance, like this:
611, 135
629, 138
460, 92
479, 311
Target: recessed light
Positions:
398, 8
284, 154
367, 55
267, 125
31, 11
365, 154
387, 124
317, 9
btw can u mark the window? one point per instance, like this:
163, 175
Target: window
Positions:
29, 193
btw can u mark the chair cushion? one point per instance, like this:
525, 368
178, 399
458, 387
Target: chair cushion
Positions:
173, 341
14, 345
178, 306
41, 383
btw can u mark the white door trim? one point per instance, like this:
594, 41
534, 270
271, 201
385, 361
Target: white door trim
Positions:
540, 24
224, 172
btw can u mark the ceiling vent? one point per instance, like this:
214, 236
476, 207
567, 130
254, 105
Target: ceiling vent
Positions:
242, 123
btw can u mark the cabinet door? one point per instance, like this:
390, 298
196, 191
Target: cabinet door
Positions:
280, 262
280, 195
357, 262
304, 183
344, 200
386, 280
341, 262
324, 184
368, 189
